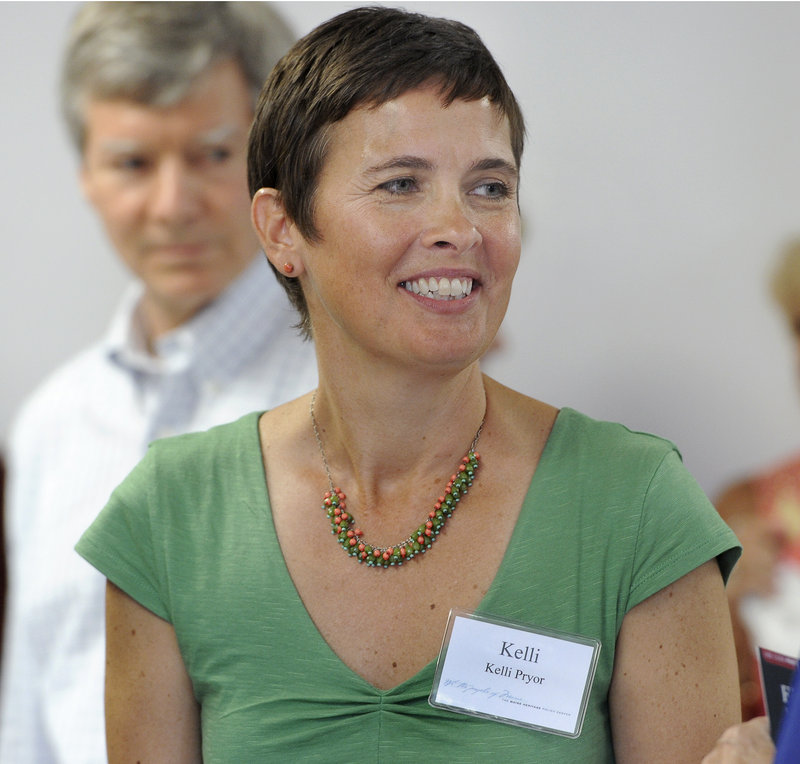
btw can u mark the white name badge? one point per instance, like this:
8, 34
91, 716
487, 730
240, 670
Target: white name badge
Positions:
513, 673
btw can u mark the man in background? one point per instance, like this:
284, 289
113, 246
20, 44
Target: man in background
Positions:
158, 99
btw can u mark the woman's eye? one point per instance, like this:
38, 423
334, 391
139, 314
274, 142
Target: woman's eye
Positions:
493, 190
399, 186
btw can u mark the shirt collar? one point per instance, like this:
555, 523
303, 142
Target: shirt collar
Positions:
216, 341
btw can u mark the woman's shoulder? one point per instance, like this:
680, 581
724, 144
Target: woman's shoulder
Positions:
567, 429
195, 450
580, 431
285, 427
195, 469
212, 435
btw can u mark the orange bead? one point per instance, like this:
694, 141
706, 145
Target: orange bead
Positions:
344, 523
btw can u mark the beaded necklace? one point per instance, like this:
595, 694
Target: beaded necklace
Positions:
351, 538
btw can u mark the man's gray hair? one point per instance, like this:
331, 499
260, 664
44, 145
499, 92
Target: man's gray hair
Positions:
152, 52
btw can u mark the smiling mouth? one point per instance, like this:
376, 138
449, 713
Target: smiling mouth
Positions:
440, 289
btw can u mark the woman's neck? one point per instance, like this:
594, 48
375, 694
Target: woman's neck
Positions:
376, 430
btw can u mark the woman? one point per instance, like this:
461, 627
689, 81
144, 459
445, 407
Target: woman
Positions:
384, 163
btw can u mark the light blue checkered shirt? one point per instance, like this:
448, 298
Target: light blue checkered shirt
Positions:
75, 439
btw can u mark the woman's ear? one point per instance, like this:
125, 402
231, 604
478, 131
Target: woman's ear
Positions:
278, 236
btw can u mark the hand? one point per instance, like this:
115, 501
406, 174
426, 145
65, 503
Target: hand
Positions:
747, 743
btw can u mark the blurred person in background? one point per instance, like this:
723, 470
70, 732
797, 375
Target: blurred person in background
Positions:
764, 511
158, 99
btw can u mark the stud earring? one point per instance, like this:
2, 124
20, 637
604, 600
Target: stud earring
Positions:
288, 268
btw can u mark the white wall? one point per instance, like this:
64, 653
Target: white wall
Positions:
661, 175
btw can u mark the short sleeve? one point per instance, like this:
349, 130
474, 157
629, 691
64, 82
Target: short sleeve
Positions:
120, 542
679, 530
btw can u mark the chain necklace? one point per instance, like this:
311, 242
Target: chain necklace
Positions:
351, 537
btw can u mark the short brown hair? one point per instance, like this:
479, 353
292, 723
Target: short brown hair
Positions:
366, 56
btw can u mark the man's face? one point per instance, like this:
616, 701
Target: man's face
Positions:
169, 184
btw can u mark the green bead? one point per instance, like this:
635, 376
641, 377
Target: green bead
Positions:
464, 477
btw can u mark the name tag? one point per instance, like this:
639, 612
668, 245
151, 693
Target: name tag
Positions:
515, 674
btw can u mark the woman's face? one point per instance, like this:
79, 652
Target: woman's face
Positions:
420, 234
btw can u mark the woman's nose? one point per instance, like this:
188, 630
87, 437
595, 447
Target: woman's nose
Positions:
449, 227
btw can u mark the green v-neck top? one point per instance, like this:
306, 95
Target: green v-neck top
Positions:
610, 517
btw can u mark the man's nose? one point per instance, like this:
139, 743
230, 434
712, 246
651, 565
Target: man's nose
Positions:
175, 194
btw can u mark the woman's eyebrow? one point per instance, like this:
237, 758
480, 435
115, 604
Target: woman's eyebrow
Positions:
495, 163
404, 162
410, 162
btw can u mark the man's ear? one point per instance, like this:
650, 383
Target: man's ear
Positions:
279, 237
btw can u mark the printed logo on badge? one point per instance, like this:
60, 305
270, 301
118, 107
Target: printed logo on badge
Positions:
515, 674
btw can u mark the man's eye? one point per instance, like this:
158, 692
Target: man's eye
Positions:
131, 163
219, 154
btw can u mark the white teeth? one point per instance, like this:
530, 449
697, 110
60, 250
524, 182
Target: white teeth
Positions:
441, 289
